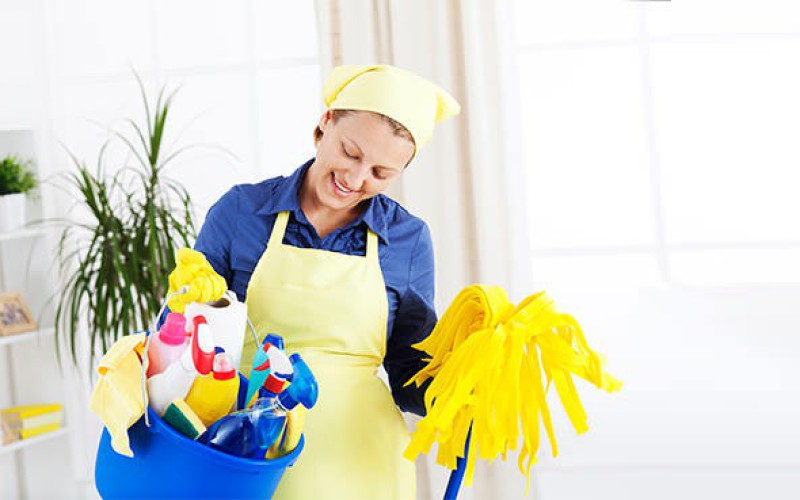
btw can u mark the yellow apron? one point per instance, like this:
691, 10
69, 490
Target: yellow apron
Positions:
332, 308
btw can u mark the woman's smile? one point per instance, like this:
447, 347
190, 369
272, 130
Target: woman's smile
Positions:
339, 188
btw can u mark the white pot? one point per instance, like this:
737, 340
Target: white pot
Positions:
12, 212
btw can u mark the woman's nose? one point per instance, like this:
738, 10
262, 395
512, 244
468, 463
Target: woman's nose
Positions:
354, 177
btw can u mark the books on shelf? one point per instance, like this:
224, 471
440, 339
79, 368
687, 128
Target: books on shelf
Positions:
27, 421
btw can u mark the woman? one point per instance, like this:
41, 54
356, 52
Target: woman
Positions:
345, 275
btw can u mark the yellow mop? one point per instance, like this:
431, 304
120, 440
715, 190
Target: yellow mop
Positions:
487, 360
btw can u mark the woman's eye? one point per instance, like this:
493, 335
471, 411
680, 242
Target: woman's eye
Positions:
347, 153
378, 174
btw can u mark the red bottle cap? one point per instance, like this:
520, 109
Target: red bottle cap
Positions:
223, 368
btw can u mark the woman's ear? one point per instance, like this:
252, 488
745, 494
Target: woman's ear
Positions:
325, 119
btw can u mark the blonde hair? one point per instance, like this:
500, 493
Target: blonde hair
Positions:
397, 127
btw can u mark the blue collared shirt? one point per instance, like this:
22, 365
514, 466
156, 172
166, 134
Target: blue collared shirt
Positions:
238, 226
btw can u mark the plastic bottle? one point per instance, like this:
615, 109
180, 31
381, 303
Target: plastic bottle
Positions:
167, 345
175, 382
212, 396
271, 367
247, 433
228, 320
250, 433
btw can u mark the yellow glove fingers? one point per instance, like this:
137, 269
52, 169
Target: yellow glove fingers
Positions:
192, 269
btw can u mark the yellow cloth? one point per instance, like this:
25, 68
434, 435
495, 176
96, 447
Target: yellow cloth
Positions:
117, 397
415, 102
332, 308
192, 268
487, 373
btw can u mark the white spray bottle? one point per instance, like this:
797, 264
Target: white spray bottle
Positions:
175, 382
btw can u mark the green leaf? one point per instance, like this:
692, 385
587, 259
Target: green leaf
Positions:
118, 241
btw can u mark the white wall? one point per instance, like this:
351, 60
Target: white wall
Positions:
658, 147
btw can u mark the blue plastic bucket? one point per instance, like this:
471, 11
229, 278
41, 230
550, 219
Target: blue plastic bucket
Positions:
167, 464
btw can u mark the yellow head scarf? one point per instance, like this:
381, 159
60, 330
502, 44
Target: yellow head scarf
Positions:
414, 102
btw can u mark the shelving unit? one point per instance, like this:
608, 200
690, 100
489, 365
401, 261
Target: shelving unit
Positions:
21, 234
27, 336
19, 445
29, 370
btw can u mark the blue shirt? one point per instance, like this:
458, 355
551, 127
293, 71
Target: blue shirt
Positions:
238, 226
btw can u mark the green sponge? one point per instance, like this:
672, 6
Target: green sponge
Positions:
184, 419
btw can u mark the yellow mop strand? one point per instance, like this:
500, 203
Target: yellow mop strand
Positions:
487, 359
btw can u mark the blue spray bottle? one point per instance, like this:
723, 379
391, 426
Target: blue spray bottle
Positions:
249, 433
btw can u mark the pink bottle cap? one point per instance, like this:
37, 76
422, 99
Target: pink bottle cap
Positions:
173, 331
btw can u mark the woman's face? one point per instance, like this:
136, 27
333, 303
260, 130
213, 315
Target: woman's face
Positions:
358, 157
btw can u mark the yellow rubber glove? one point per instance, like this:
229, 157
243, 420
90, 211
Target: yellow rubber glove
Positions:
192, 269
486, 369
295, 420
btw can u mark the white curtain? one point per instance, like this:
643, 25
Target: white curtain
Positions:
458, 183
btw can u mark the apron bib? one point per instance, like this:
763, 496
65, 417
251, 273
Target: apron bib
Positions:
332, 309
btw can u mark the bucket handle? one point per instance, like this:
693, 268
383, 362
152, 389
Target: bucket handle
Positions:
146, 359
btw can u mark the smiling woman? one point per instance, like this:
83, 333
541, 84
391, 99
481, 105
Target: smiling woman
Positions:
345, 274
359, 154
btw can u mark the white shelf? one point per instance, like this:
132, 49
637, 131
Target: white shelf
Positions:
19, 338
21, 234
24, 443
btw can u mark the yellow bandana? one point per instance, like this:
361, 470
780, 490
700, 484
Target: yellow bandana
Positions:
416, 103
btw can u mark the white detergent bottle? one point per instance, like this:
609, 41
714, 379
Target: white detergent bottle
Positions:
175, 382
228, 320
167, 345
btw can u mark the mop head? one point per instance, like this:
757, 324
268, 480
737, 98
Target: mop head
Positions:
487, 360
183, 419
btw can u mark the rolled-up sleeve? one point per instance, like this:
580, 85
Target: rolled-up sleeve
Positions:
217, 233
416, 317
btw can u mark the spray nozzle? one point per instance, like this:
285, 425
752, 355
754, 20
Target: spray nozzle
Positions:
303, 389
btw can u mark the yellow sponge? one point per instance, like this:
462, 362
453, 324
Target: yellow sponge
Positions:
183, 419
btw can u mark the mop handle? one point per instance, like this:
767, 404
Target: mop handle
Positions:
456, 476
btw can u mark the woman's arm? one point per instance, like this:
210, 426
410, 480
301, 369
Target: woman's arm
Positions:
217, 233
416, 317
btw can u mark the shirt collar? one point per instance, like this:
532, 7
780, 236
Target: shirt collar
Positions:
286, 198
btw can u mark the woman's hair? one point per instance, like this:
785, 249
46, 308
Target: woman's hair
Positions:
399, 129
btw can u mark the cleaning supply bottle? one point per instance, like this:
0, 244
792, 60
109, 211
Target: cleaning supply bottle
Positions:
212, 396
306, 391
168, 344
228, 319
247, 433
271, 367
251, 432
175, 382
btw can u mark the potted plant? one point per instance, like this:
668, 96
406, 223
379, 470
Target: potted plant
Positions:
16, 179
115, 262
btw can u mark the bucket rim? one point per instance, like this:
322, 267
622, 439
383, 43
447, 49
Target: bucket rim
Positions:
271, 463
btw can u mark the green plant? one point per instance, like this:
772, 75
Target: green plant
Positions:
115, 262
16, 176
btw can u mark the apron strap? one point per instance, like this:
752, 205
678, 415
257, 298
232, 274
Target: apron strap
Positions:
372, 244
278, 230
